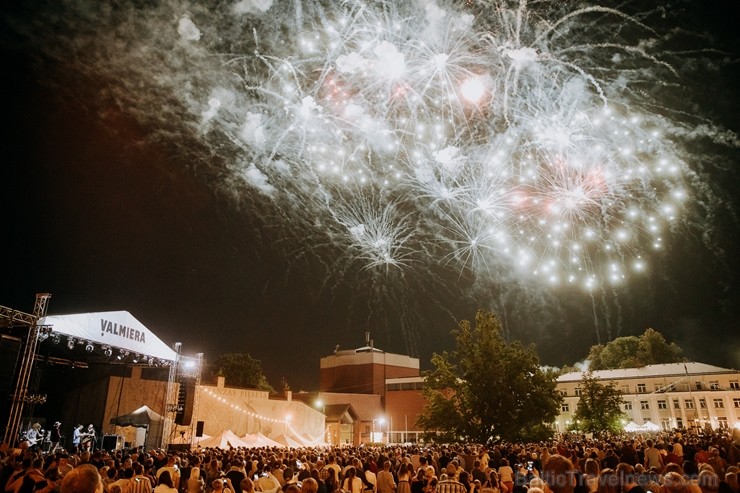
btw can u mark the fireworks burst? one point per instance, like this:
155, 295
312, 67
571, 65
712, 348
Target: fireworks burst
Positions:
502, 140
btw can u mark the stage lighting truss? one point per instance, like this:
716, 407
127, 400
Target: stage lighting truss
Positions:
44, 332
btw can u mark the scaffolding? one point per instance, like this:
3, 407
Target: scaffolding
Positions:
24, 369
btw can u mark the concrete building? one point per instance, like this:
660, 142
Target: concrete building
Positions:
675, 395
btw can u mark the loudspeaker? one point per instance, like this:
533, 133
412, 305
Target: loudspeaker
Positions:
185, 400
199, 428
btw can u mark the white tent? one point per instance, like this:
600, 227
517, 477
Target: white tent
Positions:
287, 441
313, 442
115, 329
259, 440
650, 426
148, 424
225, 439
632, 427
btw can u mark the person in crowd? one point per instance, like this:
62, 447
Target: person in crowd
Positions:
351, 483
331, 481
309, 485
558, 474
82, 479
450, 485
140, 483
235, 474
166, 484
173, 470
653, 457
506, 475
384, 480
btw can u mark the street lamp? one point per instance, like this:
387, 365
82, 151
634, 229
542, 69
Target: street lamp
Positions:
382, 422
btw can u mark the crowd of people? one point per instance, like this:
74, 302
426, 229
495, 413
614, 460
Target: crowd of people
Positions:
669, 462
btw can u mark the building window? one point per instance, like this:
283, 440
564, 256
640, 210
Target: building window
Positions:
625, 389
564, 393
698, 385
714, 384
627, 406
565, 407
679, 423
722, 423
719, 404
641, 389
578, 391
688, 404
702, 403
734, 385
736, 402
657, 387
676, 404
644, 405
662, 405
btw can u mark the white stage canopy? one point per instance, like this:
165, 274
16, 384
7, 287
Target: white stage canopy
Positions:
115, 329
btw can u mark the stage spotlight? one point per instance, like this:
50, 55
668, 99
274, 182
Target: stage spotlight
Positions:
107, 351
56, 339
71, 343
89, 347
150, 361
122, 354
135, 358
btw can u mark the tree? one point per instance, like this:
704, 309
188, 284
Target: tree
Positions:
650, 348
241, 370
599, 407
487, 389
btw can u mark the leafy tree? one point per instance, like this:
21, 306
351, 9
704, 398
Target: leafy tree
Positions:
488, 389
599, 407
650, 348
241, 370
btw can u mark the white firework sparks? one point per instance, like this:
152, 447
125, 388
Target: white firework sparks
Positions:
503, 139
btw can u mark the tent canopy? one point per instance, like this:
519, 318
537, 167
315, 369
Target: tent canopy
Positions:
260, 440
144, 417
140, 418
225, 439
117, 329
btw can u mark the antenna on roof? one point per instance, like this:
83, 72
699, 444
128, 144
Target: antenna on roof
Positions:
367, 337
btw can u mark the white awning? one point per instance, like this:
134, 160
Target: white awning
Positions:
115, 329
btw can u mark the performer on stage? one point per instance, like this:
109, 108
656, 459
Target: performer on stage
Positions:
77, 438
35, 436
88, 439
55, 437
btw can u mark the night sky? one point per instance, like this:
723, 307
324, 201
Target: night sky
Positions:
111, 202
